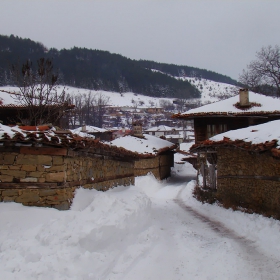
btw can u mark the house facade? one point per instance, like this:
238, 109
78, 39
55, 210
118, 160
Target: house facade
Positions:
161, 130
243, 110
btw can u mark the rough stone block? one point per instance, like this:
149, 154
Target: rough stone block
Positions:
40, 168
41, 180
25, 167
61, 191
63, 206
147, 163
34, 159
29, 180
57, 197
9, 158
8, 199
47, 192
15, 173
14, 167
55, 177
56, 168
36, 174
28, 196
6, 178
58, 160
4, 167
10, 193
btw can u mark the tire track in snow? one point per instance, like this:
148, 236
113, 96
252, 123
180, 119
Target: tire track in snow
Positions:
265, 266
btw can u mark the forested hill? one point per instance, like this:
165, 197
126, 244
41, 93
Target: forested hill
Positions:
95, 69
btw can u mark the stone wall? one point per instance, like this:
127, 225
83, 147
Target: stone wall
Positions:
160, 166
249, 180
50, 176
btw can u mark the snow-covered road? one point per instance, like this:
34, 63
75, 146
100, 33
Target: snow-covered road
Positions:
154, 230
191, 245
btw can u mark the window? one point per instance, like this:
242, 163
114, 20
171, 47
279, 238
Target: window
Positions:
213, 129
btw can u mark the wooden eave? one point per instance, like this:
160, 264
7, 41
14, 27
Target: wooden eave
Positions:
65, 139
211, 146
260, 114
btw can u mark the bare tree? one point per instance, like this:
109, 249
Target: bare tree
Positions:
89, 109
39, 93
263, 74
76, 116
101, 101
167, 105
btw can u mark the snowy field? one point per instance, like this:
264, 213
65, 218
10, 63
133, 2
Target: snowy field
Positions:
210, 92
153, 230
115, 98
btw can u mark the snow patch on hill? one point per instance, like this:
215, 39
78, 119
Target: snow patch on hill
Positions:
210, 92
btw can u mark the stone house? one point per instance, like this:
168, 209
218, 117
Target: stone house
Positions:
242, 167
161, 130
157, 155
243, 110
154, 110
44, 166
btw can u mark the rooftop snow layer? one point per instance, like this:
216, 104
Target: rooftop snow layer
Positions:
160, 128
256, 134
148, 145
88, 129
267, 104
257, 138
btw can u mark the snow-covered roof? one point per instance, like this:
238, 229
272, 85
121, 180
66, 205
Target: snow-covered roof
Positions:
258, 138
88, 129
8, 95
260, 104
255, 134
129, 146
160, 128
147, 145
174, 136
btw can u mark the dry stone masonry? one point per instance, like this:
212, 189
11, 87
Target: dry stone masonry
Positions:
249, 179
51, 180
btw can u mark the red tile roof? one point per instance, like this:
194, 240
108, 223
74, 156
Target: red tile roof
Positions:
240, 144
46, 136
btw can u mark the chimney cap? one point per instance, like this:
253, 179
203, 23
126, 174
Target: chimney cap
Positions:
244, 97
137, 123
244, 89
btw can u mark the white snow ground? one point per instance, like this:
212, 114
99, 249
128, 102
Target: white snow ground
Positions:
153, 230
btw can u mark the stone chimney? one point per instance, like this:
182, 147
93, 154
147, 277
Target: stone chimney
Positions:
137, 129
244, 97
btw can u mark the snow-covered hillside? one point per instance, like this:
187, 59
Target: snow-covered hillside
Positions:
115, 98
210, 92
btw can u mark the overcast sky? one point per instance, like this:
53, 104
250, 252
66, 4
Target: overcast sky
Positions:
218, 35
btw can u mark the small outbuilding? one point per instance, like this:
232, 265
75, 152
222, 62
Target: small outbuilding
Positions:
241, 168
156, 155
